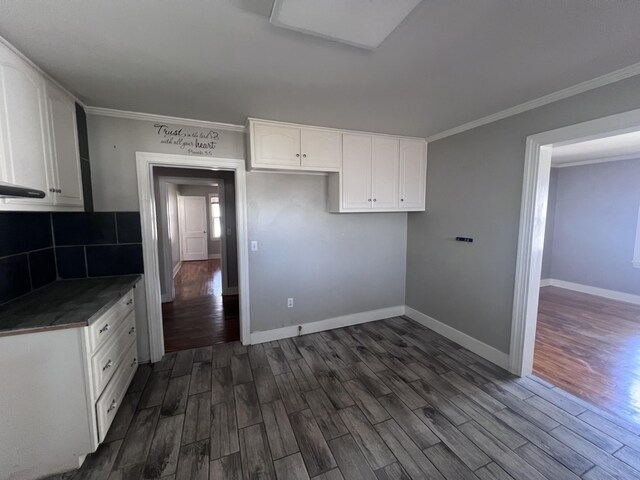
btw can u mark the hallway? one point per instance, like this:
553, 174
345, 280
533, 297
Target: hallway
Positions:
199, 315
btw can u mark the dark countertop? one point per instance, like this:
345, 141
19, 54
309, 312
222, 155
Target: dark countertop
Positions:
63, 304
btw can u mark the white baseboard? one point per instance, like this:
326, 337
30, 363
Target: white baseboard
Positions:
476, 346
600, 292
328, 324
176, 269
214, 256
164, 298
545, 282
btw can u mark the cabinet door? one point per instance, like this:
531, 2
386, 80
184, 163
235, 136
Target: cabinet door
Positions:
413, 174
385, 173
356, 171
64, 147
321, 149
24, 155
276, 145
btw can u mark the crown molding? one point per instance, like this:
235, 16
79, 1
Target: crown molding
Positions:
590, 161
616, 76
150, 117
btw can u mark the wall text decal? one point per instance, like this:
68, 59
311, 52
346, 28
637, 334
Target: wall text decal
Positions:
193, 141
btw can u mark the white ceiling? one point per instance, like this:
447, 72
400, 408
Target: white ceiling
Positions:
449, 62
617, 147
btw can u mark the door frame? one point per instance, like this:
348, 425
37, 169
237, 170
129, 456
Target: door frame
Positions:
145, 161
533, 216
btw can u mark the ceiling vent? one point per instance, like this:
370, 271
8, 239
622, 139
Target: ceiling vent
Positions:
361, 23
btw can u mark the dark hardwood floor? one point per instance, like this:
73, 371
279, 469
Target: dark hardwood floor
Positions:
383, 400
590, 346
199, 315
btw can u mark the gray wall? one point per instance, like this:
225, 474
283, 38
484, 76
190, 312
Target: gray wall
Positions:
174, 229
213, 245
474, 187
332, 264
594, 226
548, 232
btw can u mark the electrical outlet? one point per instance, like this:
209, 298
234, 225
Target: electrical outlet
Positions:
254, 245
289, 302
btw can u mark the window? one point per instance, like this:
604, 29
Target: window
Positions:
216, 229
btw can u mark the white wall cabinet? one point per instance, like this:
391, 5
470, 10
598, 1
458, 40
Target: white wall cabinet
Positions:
280, 146
413, 174
38, 138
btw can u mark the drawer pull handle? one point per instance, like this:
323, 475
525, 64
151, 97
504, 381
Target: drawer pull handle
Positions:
131, 330
105, 328
107, 365
130, 301
112, 406
135, 360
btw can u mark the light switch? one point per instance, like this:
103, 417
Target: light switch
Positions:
254, 245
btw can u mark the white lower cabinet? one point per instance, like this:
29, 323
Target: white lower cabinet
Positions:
61, 390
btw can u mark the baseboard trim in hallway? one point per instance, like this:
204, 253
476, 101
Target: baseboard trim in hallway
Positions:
600, 292
476, 346
327, 324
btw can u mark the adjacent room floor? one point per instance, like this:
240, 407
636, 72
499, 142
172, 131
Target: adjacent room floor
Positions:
199, 315
590, 346
386, 400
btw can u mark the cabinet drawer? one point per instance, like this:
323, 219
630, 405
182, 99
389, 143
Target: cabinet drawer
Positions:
109, 402
106, 362
104, 328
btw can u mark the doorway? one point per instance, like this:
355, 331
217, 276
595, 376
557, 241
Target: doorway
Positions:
232, 172
564, 311
199, 306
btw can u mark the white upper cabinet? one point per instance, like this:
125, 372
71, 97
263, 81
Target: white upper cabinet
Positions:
38, 138
321, 149
275, 145
384, 166
413, 174
64, 147
356, 172
281, 146
367, 172
24, 156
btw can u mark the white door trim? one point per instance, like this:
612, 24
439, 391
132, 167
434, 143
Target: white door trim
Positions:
145, 161
533, 213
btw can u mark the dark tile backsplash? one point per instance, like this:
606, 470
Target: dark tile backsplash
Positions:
39, 248
98, 228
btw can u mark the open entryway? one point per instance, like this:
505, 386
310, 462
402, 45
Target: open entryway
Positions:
195, 235
577, 304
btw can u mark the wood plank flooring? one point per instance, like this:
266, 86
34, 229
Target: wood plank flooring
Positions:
199, 315
383, 400
590, 346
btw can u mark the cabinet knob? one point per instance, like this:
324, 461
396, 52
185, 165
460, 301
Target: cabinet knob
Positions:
375, 199
368, 199
107, 365
104, 329
59, 190
402, 199
297, 154
304, 155
52, 190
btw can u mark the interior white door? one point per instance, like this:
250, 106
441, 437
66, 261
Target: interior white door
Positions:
356, 171
276, 145
193, 228
384, 166
413, 174
321, 149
